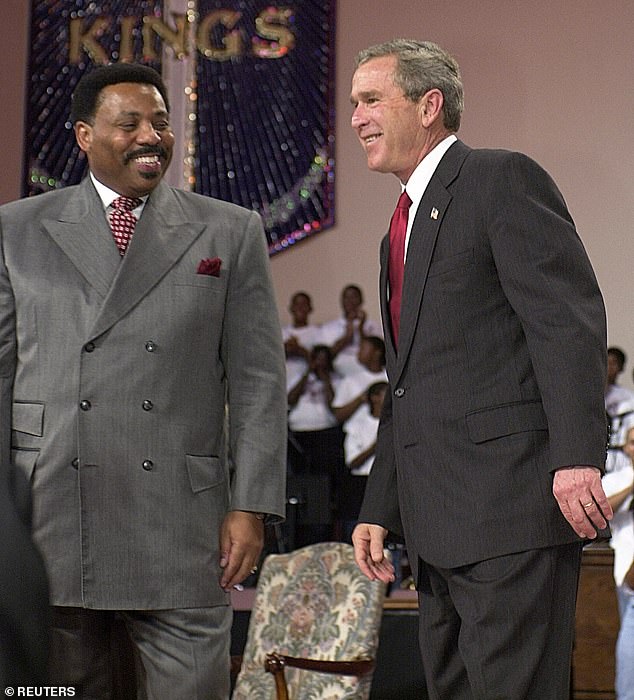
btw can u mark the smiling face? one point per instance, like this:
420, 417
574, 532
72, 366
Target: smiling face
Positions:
388, 125
129, 144
395, 132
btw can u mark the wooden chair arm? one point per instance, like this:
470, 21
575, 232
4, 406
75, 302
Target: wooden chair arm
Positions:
275, 663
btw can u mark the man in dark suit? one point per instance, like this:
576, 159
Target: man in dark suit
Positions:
142, 393
24, 609
493, 434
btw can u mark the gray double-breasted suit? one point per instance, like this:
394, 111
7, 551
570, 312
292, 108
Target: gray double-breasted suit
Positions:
115, 375
498, 379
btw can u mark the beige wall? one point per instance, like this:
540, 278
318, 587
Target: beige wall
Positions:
551, 78
13, 40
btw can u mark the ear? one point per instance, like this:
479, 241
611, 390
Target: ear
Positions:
83, 135
431, 106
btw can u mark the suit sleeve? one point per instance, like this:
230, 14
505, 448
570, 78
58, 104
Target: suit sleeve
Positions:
548, 279
380, 503
253, 355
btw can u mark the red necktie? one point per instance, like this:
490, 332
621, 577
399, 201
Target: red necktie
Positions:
123, 221
396, 265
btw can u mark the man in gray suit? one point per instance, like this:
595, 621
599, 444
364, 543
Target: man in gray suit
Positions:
143, 395
493, 434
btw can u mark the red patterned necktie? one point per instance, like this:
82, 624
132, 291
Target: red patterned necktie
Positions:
123, 221
396, 264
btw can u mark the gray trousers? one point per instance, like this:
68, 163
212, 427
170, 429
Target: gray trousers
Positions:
178, 654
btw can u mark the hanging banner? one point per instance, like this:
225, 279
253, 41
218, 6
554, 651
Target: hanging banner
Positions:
252, 92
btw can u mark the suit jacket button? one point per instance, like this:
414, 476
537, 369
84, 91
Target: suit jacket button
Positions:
147, 405
85, 405
399, 392
75, 463
150, 346
89, 347
148, 465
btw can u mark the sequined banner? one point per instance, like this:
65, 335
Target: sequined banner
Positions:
258, 101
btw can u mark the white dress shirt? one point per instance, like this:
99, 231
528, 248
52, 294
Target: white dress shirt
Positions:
108, 196
419, 179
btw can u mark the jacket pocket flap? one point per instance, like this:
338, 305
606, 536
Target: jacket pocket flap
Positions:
204, 472
439, 267
28, 418
507, 419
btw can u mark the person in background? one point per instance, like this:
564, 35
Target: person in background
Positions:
142, 393
344, 334
619, 487
359, 445
619, 401
299, 337
615, 394
492, 439
351, 401
351, 394
315, 437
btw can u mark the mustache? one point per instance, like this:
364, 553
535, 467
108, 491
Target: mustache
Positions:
146, 151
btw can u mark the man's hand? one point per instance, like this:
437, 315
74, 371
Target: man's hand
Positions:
582, 500
241, 542
368, 552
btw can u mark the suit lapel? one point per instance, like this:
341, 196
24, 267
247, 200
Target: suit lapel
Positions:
162, 235
83, 233
425, 231
419, 253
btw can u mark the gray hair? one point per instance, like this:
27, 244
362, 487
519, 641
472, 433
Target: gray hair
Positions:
421, 66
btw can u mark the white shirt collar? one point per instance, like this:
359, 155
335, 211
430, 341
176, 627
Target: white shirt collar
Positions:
107, 196
419, 179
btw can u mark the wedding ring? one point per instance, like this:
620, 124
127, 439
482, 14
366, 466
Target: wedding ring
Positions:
254, 569
587, 505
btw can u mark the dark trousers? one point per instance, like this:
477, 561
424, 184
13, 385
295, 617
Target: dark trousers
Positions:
316, 467
501, 629
316, 451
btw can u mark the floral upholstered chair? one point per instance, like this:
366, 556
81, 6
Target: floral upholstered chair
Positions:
312, 603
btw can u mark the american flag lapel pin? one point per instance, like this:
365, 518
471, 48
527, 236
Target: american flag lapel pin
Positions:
434, 213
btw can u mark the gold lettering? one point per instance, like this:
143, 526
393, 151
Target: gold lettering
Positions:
231, 42
126, 46
272, 24
218, 38
176, 39
78, 40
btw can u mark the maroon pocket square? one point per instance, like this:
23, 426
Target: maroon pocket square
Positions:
209, 266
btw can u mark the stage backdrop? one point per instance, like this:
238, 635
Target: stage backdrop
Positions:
251, 88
